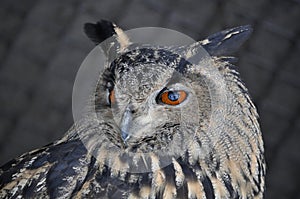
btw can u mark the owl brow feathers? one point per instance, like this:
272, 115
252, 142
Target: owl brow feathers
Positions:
149, 56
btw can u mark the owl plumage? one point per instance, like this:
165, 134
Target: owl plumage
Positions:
157, 132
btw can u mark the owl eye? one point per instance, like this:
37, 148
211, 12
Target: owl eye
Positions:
111, 97
173, 97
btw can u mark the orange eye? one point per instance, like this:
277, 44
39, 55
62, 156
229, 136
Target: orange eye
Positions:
112, 98
173, 97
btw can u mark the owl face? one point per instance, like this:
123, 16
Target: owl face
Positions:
152, 103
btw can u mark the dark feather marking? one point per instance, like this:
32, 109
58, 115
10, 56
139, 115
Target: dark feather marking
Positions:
14, 166
227, 41
67, 158
100, 31
182, 66
227, 181
30, 188
208, 188
91, 171
189, 176
112, 185
258, 182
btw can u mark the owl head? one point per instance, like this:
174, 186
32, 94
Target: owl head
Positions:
155, 104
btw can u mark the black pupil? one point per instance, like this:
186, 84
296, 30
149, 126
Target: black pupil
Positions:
173, 96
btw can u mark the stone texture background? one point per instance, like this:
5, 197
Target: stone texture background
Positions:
42, 46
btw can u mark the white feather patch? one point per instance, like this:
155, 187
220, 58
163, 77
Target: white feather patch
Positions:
179, 175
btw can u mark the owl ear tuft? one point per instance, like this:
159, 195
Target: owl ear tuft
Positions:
98, 32
227, 41
103, 30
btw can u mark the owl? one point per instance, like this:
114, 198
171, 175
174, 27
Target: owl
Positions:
167, 122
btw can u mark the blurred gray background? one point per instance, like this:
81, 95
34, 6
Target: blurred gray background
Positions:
42, 46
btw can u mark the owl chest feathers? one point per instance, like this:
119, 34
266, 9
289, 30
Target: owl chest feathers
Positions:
206, 178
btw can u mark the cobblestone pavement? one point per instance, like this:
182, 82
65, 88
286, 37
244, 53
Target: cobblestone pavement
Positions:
42, 46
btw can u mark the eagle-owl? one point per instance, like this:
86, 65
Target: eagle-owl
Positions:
168, 123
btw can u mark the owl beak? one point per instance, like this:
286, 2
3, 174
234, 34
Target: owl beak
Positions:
124, 136
125, 124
